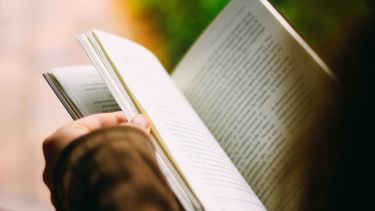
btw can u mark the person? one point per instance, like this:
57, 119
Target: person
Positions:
105, 162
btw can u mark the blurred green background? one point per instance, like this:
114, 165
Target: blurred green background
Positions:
324, 24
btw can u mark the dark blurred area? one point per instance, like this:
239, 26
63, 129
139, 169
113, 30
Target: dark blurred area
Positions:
343, 175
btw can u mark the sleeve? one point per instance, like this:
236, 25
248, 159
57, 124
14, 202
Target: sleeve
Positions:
111, 169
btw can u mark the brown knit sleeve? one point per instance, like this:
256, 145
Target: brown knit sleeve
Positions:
111, 169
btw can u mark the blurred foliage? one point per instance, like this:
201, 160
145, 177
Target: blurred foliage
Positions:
182, 21
321, 22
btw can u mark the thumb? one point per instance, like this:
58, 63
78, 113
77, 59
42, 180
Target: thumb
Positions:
143, 122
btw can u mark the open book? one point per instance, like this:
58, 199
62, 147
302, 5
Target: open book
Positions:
226, 123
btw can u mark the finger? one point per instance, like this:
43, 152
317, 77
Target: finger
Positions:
87, 124
98, 121
142, 122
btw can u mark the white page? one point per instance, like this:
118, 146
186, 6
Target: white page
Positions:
258, 88
86, 89
210, 173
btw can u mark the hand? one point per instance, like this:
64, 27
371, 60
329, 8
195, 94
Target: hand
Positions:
56, 143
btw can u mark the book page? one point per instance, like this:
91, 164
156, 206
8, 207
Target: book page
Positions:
259, 89
86, 90
211, 175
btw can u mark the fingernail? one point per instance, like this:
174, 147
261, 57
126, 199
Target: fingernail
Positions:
141, 121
